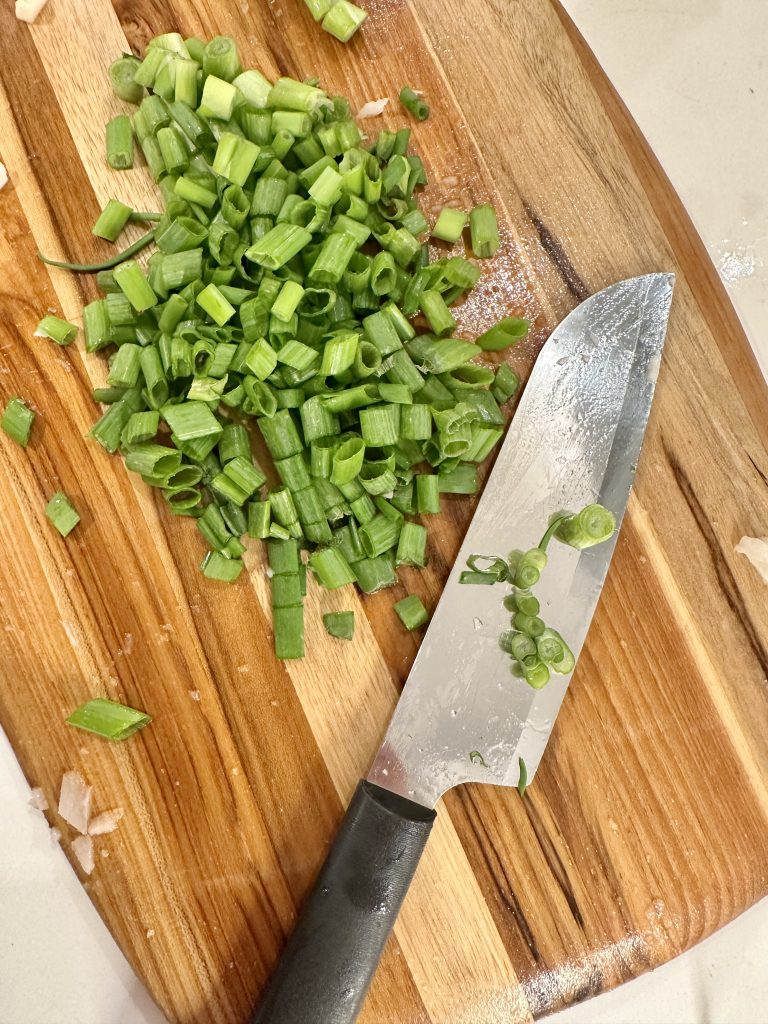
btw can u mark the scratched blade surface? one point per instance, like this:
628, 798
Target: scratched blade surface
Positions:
575, 439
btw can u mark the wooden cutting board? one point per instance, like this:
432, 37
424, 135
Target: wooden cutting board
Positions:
647, 825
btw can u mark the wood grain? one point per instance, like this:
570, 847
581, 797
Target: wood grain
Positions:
647, 826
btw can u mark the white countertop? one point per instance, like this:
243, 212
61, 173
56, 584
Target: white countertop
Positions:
694, 74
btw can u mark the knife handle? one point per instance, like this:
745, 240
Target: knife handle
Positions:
331, 957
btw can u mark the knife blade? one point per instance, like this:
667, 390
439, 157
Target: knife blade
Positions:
575, 439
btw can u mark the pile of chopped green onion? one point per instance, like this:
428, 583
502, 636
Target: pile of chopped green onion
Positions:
535, 649
290, 260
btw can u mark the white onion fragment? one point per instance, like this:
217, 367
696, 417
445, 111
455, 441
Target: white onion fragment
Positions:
28, 10
105, 822
756, 550
3, 175
82, 847
372, 108
38, 800
75, 801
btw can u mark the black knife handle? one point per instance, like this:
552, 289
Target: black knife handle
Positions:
331, 957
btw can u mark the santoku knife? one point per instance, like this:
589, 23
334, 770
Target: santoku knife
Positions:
575, 439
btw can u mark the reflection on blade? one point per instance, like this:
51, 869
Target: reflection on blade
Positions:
575, 439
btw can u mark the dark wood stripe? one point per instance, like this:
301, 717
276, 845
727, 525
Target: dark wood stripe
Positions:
729, 587
555, 250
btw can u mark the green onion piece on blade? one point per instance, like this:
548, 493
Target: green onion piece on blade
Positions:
411, 611
108, 718
593, 525
17, 421
522, 783
58, 330
61, 512
340, 624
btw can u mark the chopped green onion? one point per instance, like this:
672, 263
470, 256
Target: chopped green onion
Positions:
286, 590
462, 479
427, 494
411, 545
133, 284
440, 355
437, 313
522, 780
340, 624
331, 568
503, 334
380, 425
190, 420
279, 246
283, 556
58, 330
141, 427
411, 611
17, 421
593, 525
484, 231
378, 535
259, 519
61, 512
289, 632
235, 158
413, 103
215, 305
108, 718
319, 8
374, 574
343, 20
505, 384
218, 99
119, 142
122, 75
450, 224
218, 566
220, 58
255, 88
112, 220
125, 367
